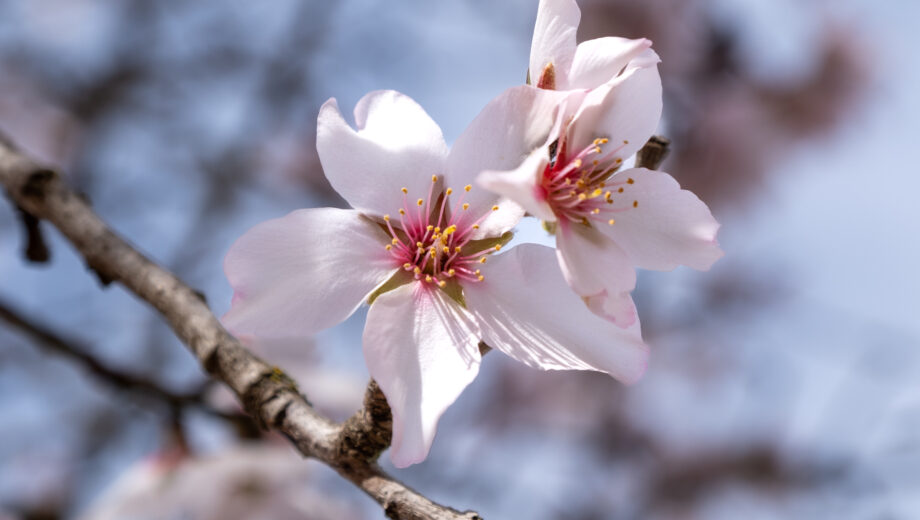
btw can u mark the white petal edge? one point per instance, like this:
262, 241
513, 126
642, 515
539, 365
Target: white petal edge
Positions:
422, 349
307, 271
598, 270
554, 39
526, 310
394, 144
600, 60
521, 185
626, 111
668, 227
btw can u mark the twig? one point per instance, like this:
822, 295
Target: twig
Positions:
265, 392
135, 384
653, 153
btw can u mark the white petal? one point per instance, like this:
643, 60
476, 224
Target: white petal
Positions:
526, 310
304, 272
554, 39
598, 269
626, 111
504, 133
522, 186
423, 350
395, 145
601, 60
668, 227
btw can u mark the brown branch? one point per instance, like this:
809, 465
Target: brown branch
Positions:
653, 153
265, 391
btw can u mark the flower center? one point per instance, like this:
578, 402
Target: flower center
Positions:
581, 189
435, 242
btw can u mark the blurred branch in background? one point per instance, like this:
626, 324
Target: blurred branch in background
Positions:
266, 392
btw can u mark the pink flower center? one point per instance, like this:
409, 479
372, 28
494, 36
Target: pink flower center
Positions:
581, 189
434, 241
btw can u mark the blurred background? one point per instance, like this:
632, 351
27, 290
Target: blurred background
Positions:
783, 383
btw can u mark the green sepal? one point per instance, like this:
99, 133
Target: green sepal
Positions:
399, 278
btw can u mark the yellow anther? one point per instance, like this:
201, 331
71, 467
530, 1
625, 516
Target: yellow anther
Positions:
468, 187
394, 241
635, 203
620, 190
478, 271
451, 272
475, 226
420, 202
419, 244
417, 270
611, 222
457, 249
442, 283
450, 190
388, 247
605, 140
597, 192
607, 195
625, 141
407, 265
437, 230
567, 181
405, 191
597, 149
577, 163
434, 178
482, 260
452, 229
386, 218
428, 278
446, 250
595, 211
481, 278
430, 227
494, 208
433, 252
498, 247
582, 196
402, 211
466, 206
618, 161
630, 181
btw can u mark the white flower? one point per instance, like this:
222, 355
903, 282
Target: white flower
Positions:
420, 245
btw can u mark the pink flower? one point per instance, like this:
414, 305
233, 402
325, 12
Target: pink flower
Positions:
606, 221
420, 246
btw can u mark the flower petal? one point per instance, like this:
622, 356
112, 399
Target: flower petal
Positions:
423, 350
554, 39
598, 269
667, 227
601, 60
304, 272
396, 145
625, 110
526, 310
504, 133
521, 185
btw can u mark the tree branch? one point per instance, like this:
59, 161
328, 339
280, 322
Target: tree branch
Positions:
266, 393
653, 153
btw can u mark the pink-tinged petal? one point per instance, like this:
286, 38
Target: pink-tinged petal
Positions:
626, 111
526, 310
423, 350
597, 269
394, 144
554, 39
667, 227
601, 60
504, 133
521, 185
307, 271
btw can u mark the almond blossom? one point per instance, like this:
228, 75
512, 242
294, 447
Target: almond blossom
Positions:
420, 246
606, 220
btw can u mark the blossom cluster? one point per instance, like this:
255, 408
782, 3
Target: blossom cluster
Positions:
423, 242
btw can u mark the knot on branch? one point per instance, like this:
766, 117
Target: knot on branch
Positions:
653, 153
367, 433
36, 184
